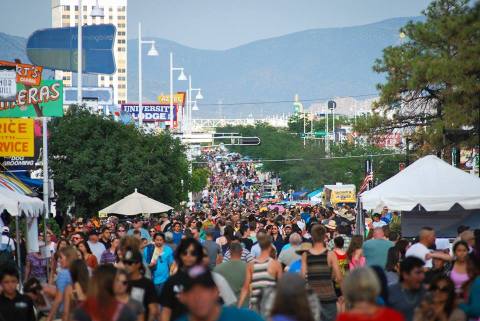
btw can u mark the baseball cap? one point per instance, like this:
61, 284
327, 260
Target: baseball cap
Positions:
132, 256
198, 275
5, 229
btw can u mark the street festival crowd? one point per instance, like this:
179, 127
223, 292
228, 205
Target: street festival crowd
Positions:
233, 258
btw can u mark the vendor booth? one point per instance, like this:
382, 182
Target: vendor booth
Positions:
429, 192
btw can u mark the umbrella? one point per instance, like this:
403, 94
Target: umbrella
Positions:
135, 204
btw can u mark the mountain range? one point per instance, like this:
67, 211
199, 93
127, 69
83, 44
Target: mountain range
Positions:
316, 64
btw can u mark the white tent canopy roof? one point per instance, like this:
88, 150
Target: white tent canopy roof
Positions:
135, 204
17, 204
429, 182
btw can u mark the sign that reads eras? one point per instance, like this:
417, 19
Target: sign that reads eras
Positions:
16, 137
36, 101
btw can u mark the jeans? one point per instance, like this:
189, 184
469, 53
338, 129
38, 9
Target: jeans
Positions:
328, 310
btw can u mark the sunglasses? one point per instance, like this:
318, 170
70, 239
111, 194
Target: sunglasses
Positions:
129, 262
443, 289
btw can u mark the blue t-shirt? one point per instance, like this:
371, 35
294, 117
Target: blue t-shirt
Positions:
295, 267
162, 269
387, 218
233, 314
177, 237
143, 233
306, 217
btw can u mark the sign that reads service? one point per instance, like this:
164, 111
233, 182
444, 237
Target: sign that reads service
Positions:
16, 137
8, 85
36, 101
151, 112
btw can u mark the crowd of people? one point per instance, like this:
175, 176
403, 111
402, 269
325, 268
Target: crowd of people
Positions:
231, 257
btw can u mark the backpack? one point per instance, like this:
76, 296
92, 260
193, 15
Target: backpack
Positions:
6, 255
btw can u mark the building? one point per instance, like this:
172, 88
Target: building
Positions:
65, 14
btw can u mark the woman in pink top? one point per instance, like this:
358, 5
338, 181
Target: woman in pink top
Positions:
458, 274
355, 253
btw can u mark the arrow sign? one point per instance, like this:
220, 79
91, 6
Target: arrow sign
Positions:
56, 48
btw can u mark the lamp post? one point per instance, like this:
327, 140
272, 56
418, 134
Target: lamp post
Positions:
151, 52
180, 77
96, 12
191, 108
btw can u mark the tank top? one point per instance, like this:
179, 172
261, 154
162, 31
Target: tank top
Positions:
458, 279
261, 279
319, 276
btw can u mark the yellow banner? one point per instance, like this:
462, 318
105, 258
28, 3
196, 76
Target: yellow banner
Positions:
16, 137
178, 99
343, 197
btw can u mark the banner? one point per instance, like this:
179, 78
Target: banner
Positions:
23, 163
151, 112
16, 137
36, 101
178, 99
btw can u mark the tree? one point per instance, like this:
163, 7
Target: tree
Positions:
96, 161
199, 178
432, 90
282, 152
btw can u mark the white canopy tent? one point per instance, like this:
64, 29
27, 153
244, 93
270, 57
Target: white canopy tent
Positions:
429, 182
135, 204
17, 204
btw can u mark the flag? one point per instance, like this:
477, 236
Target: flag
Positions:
366, 182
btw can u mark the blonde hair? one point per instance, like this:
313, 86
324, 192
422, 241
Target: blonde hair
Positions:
361, 285
70, 253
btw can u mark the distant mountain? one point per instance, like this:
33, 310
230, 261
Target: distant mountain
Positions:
319, 63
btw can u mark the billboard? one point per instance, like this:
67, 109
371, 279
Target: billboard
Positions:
56, 48
156, 112
36, 101
151, 112
24, 163
16, 137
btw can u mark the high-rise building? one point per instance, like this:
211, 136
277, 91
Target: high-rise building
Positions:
65, 14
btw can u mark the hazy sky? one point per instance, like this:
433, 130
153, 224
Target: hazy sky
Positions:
221, 24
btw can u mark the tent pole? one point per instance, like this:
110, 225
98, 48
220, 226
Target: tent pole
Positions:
17, 234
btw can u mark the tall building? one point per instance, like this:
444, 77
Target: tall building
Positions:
65, 14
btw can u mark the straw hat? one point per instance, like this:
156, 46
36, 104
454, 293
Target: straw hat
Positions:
331, 225
304, 247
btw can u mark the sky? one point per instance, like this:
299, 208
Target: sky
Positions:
222, 24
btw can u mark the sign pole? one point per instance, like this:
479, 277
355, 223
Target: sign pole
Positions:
45, 166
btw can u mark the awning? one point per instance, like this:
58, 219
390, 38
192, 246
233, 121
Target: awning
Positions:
12, 184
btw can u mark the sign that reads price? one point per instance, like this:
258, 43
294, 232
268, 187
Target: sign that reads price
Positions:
16, 137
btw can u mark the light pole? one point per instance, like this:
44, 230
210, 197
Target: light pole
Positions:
96, 12
190, 101
181, 77
151, 52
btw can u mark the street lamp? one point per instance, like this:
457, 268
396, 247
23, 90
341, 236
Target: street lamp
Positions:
180, 77
151, 52
96, 12
191, 108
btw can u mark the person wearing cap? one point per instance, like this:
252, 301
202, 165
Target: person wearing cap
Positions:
6, 240
142, 289
95, 245
201, 296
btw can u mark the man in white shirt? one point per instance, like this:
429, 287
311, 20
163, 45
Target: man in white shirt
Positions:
6, 240
96, 247
422, 248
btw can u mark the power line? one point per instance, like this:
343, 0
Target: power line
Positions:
285, 101
306, 160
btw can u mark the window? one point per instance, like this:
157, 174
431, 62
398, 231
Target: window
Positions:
66, 16
121, 33
122, 86
84, 8
101, 77
66, 8
111, 78
110, 9
110, 17
120, 49
76, 8
121, 78
121, 41
121, 17
121, 25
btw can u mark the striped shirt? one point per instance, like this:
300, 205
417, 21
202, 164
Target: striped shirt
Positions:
261, 279
319, 276
246, 256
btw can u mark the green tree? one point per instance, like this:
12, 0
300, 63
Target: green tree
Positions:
96, 161
282, 152
432, 88
199, 178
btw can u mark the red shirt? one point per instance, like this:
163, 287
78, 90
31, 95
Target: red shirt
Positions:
381, 315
